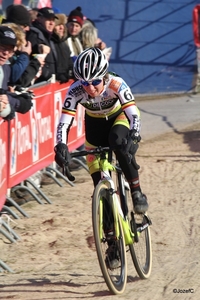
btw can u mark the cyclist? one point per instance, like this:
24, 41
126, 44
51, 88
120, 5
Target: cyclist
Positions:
111, 117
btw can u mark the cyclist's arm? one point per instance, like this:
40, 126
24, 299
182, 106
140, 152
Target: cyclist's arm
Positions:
66, 119
129, 106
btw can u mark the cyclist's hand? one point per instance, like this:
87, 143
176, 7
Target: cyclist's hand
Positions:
136, 138
130, 142
62, 156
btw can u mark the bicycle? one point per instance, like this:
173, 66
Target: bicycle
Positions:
112, 207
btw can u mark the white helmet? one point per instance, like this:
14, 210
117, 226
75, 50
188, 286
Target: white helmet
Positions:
91, 64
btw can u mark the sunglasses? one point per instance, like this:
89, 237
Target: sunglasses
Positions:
94, 82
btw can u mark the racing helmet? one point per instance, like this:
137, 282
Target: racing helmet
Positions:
90, 64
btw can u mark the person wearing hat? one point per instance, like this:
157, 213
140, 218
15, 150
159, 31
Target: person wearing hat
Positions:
40, 37
18, 18
9, 101
19, 15
20, 59
23, 69
82, 33
74, 26
64, 63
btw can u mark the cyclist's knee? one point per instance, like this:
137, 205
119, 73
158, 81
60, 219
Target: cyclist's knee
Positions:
117, 135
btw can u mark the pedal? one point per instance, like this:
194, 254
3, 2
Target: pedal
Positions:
148, 219
144, 224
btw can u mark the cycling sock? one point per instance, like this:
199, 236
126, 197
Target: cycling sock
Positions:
134, 185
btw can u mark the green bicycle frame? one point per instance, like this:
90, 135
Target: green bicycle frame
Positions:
107, 180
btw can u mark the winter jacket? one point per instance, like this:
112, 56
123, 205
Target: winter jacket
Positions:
29, 74
39, 35
19, 62
64, 63
19, 103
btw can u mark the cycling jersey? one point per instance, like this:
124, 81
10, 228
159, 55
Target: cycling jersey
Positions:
115, 97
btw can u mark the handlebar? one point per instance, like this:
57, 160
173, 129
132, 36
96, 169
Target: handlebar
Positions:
99, 150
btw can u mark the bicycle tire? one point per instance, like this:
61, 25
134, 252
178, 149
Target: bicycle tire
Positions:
140, 250
116, 278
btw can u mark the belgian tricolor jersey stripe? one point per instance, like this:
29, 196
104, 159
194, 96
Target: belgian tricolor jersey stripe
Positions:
128, 104
68, 112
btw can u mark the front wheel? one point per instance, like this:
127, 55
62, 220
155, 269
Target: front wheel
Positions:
102, 213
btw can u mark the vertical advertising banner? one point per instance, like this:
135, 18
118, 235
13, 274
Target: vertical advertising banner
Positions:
32, 137
3, 160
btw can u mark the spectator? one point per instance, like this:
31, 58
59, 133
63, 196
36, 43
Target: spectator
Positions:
19, 15
23, 66
33, 71
82, 33
89, 38
74, 26
64, 63
20, 59
89, 34
20, 34
10, 102
33, 13
40, 36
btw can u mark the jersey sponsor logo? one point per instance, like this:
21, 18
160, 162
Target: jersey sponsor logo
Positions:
114, 85
99, 106
76, 91
136, 123
59, 132
105, 95
123, 86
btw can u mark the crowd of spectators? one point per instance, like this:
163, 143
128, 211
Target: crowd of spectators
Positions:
47, 43
10, 102
36, 44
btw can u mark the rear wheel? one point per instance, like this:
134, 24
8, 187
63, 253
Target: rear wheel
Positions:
115, 278
141, 251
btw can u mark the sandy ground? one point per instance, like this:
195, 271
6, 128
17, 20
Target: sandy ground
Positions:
55, 257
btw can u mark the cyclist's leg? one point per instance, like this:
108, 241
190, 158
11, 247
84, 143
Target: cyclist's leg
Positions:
97, 134
118, 132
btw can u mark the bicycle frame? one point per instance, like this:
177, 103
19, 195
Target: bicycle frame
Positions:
107, 180
126, 231
105, 168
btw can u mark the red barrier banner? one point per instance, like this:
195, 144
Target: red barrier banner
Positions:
33, 135
195, 23
3, 160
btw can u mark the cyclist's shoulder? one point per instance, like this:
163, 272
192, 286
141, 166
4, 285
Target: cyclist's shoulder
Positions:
76, 89
115, 82
114, 77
